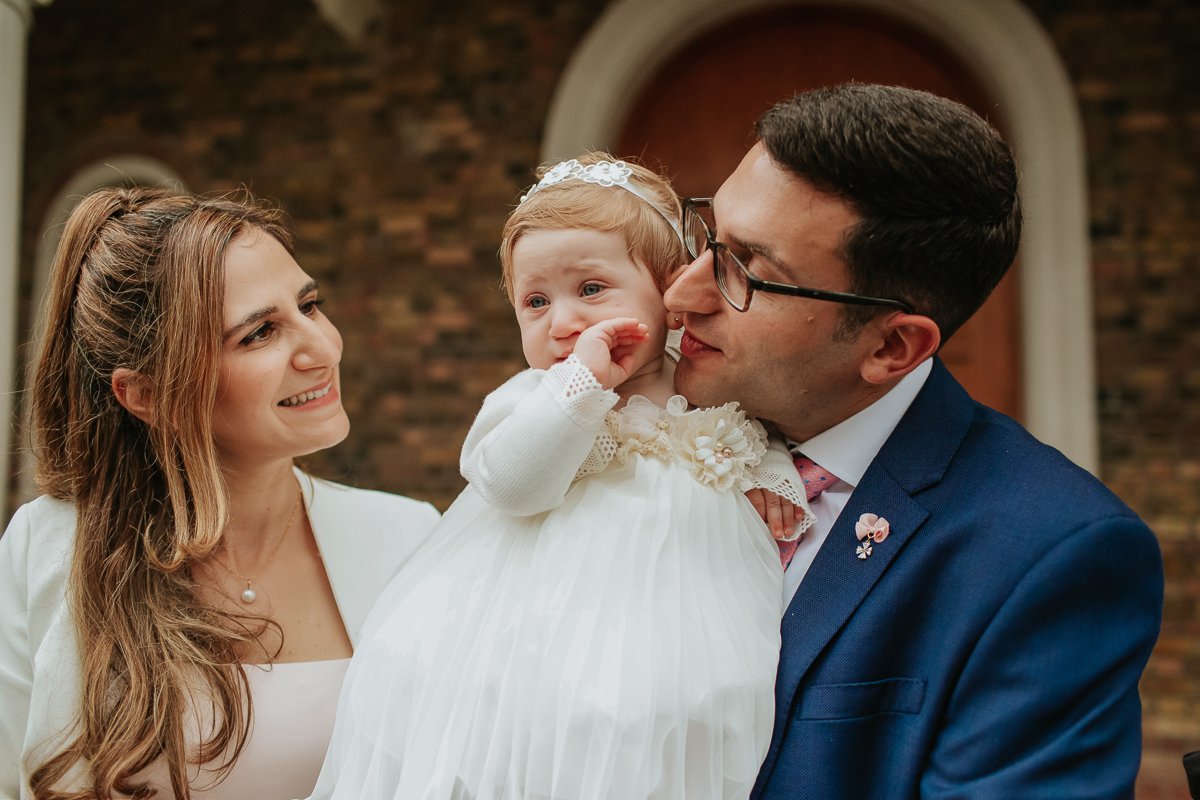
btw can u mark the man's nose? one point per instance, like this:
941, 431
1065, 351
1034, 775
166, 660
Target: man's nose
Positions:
692, 287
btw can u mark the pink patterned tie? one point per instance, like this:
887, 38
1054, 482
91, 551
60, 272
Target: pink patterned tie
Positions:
816, 480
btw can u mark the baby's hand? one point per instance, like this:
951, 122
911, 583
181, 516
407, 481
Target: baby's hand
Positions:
606, 349
779, 514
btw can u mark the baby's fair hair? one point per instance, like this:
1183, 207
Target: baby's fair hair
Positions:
573, 203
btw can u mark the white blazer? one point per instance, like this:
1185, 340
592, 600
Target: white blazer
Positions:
363, 536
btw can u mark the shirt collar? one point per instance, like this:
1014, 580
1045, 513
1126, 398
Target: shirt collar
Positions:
849, 447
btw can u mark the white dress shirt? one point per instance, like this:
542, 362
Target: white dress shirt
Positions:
846, 450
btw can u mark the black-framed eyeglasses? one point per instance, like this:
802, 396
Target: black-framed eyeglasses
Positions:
734, 280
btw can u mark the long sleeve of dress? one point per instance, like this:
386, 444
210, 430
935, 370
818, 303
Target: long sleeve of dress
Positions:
532, 435
777, 473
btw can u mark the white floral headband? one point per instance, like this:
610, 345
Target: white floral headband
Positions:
602, 173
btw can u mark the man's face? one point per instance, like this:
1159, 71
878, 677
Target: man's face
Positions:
779, 358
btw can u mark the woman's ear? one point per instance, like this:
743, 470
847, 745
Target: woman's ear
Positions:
133, 392
908, 339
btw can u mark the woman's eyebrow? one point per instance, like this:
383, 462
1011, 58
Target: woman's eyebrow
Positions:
250, 319
263, 313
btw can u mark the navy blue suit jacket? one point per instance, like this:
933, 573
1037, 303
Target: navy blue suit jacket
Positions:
990, 647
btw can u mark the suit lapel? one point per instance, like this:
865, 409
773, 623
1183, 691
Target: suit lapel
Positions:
838, 580
914, 457
327, 517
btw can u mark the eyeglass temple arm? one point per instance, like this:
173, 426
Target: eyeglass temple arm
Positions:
820, 294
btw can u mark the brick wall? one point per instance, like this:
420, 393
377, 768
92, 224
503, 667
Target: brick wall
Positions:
1134, 66
398, 158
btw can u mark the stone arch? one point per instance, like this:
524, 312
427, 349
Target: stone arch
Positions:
119, 170
1014, 59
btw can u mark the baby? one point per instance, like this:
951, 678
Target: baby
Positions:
597, 614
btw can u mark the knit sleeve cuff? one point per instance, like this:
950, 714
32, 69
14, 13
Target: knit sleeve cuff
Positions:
577, 392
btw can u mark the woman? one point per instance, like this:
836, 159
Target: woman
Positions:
176, 614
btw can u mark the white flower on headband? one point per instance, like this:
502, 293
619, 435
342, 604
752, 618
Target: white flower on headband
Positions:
559, 172
609, 173
602, 173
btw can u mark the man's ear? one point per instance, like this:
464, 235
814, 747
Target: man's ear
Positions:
908, 339
133, 392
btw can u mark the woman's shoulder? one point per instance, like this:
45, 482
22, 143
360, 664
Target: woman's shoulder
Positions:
365, 536
35, 561
41, 530
380, 522
367, 502
45, 509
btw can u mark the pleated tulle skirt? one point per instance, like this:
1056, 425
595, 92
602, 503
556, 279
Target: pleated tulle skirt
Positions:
621, 646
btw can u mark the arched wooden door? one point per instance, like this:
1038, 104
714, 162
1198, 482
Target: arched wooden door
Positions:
695, 119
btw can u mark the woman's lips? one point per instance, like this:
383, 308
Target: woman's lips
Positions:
313, 398
690, 346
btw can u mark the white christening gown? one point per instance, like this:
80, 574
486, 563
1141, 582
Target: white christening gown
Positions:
596, 616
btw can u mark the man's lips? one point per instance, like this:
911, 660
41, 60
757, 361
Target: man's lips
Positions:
690, 346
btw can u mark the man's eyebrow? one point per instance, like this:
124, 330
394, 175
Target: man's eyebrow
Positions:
263, 313
762, 251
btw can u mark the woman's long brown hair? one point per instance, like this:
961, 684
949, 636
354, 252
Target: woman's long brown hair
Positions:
138, 283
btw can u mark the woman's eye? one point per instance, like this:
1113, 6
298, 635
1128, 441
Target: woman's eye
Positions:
309, 307
259, 334
590, 289
537, 301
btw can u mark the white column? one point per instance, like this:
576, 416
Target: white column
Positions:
15, 18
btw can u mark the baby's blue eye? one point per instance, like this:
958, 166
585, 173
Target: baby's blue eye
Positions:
537, 301
590, 289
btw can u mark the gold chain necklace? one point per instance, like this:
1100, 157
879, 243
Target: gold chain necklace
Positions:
249, 595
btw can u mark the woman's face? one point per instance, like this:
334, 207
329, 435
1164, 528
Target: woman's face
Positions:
278, 396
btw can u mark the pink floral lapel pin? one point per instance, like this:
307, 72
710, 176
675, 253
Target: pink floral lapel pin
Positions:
870, 528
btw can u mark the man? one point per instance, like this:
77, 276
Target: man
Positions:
971, 613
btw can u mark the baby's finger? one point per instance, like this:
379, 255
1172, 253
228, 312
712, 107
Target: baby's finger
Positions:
624, 363
775, 505
622, 326
607, 329
631, 336
758, 500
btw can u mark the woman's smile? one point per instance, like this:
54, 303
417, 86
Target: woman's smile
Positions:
310, 398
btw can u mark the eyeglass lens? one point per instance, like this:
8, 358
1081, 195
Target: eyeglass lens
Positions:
731, 280
695, 235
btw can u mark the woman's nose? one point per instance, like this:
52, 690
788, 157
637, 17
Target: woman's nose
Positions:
321, 346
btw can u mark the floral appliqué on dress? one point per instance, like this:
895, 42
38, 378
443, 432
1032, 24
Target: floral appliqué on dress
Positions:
720, 445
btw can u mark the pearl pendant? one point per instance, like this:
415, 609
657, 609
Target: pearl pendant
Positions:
249, 595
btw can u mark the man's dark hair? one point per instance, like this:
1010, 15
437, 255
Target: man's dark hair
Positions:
934, 183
